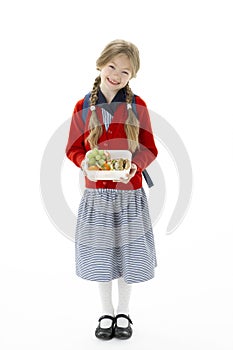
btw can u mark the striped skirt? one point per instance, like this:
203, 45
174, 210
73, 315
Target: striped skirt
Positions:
114, 236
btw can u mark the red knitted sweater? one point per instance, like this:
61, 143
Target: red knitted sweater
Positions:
114, 138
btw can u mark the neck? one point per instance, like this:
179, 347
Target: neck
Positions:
109, 95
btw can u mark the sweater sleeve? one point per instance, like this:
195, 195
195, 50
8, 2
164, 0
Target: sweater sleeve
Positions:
148, 150
75, 149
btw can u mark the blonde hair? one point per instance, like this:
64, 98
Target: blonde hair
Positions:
113, 49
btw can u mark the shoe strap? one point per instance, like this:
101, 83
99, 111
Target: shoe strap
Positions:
125, 316
106, 316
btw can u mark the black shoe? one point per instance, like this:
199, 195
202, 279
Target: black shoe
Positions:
123, 332
105, 333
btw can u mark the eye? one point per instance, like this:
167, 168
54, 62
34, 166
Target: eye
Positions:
126, 73
111, 66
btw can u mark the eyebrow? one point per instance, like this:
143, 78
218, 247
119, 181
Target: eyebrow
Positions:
122, 68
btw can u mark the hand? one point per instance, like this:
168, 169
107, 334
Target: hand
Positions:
129, 176
83, 167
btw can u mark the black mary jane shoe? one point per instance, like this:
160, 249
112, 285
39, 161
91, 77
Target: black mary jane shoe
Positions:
105, 333
123, 332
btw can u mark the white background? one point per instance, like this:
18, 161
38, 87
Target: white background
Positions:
48, 54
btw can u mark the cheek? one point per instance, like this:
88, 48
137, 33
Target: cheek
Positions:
103, 73
125, 80
106, 71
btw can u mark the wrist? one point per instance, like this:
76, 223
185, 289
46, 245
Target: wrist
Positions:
82, 165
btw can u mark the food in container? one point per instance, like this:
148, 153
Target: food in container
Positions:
107, 164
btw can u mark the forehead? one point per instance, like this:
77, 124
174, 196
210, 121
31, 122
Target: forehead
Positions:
122, 61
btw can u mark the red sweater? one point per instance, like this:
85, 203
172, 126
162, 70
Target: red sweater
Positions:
114, 138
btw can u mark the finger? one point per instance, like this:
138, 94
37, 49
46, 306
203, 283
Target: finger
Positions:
125, 181
91, 179
133, 166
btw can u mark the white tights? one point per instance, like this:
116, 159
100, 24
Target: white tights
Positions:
124, 293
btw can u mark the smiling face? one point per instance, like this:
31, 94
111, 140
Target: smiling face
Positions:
115, 75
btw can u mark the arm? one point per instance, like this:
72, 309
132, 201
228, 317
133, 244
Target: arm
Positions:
75, 149
148, 150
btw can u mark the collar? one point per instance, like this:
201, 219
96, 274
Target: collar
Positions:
111, 107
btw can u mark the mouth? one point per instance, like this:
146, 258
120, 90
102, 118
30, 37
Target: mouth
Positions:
113, 82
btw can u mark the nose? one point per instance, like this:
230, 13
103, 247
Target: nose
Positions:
116, 75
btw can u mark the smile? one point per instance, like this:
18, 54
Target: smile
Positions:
113, 82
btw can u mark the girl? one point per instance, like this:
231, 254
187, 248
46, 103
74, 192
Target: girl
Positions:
114, 237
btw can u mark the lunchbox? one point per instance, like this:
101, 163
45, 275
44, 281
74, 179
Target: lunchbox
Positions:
109, 174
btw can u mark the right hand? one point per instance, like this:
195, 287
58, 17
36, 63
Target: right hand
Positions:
83, 167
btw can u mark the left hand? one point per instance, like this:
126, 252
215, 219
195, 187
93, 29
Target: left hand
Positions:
129, 176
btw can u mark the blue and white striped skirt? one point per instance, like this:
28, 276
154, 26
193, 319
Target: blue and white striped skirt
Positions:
114, 236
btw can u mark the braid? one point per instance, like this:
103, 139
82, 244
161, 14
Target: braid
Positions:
94, 92
129, 94
132, 123
94, 125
